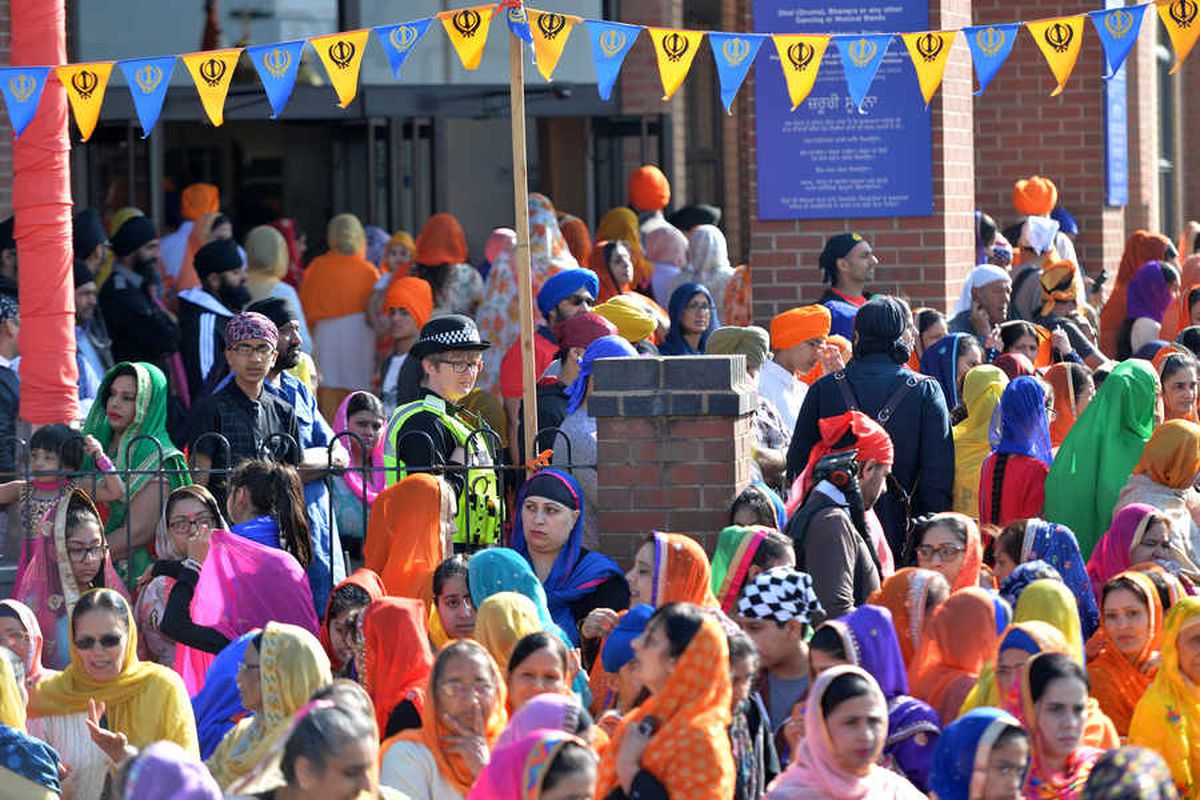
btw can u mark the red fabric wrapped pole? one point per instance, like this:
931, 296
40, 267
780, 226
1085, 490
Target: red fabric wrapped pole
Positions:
42, 208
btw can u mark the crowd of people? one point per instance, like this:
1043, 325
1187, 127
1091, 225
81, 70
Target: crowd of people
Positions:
295, 548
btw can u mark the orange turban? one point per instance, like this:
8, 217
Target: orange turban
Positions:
649, 189
1058, 283
1035, 196
414, 295
199, 199
797, 325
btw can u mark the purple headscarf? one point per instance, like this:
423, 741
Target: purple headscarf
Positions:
545, 712
164, 770
1149, 295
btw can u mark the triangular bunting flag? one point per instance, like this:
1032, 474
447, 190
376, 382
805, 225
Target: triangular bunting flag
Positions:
277, 65
399, 40
800, 56
22, 87
468, 32
148, 79
675, 50
861, 57
550, 32
212, 72
929, 52
1118, 29
85, 85
1059, 39
734, 54
610, 44
990, 46
517, 18
1179, 17
342, 55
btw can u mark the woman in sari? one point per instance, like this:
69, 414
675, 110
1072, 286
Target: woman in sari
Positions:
410, 533
395, 660
21, 633
1165, 477
834, 763
347, 600
1038, 540
1129, 644
1012, 482
537, 765
1167, 718
461, 721
1100, 452
982, 389
1176, 367
64, 566
962, 635
1051, 601
129, 419
280, 671
948, 362
693, 317
683, 659
1054, 695
912, 595
866, 638
950, 543
1139, 533
142, 701
741, 554
504, 619
983, 755
621, 225
1073, 390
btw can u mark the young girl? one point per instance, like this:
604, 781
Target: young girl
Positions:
361, 414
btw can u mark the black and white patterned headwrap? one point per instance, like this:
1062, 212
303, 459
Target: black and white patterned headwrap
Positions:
781, 594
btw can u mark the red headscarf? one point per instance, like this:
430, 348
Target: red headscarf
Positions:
398, 658
1140, 248
441, 241
860, 433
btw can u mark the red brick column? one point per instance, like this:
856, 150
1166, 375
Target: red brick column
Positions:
5, 128
673, 446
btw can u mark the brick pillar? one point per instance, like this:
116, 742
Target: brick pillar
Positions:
5, 128
673, 446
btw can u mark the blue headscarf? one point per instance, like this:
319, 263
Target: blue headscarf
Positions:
572, 577
218, 705
1024, 575
604, 347
964, 749
775, 500
31, 758
1055, 545
675, 344
1024, 427
941, 363
618, 647
561, 285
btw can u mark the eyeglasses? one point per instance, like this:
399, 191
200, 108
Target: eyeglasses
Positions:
698, 307
87, 553
259, 350
581, 300
460, 690
181, 524
463, 367
943, 552
108, 641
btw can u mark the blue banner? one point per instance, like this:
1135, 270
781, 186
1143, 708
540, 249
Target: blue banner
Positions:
610, 44
990, 46
399, 40
734, 53
861, 57
148, 79
1118, 29
518, 23
22, 87
277, 65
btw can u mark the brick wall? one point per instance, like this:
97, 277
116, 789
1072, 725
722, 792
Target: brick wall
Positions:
1142, 68
673, 446
5, 128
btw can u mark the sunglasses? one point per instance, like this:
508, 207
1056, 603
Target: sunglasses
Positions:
108, 641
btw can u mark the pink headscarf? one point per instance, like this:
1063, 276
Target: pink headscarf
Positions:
244, 585
518, 769
34, 671
667, 245
555, 712
376, 479
502, 241
1112, 553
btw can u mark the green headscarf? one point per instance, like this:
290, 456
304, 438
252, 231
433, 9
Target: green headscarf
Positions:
1100, 452
155, 452
736, 547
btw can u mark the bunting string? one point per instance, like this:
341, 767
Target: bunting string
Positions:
1059, 39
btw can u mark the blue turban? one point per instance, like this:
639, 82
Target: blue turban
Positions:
618, 648
562, 285
604, 347
1066, 222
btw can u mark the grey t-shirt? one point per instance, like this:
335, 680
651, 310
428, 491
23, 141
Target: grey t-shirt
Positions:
783, 693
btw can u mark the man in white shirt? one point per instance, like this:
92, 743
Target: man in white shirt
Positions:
798, 339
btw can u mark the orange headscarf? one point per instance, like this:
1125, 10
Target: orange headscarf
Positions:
622, 224
904, 594
1059, 378
1179, 315
404, 536
398, 658
968, 576
364, 579
1172, 456
1141, 247
1119, 682
434, 730
337, 285
962, 637
682, 573
199, 199
414, 295
577, 236
201, 230
598, 263
441, 241
1035, 196
690, 753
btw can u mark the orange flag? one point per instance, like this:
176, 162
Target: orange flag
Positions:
468, 32
929, 52
675, 50
212, 72
1059, 39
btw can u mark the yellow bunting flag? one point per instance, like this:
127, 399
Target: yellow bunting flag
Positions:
929, 52
674, 50
1180, 19
800, 56
212, 71
550, 32
1059, 39
468, 32
342, 55
85, 85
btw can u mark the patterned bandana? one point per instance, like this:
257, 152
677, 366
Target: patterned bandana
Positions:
781, 594
8, 307
250, 325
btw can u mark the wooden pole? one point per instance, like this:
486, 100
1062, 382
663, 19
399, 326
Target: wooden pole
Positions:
516, 82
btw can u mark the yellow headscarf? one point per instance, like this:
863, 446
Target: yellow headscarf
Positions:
1172, 456
503, 620
1167, 719
981, 392
12, 710
146, 702
622, 224
1051, 601
293, 666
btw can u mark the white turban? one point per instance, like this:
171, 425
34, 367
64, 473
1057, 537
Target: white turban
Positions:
981, 276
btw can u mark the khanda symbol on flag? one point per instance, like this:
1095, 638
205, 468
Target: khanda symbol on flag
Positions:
735, 51
612, 41
212, 70
1118, 23
930, 46
800, 55
466, 22
1183, 12
85, 82
991, 40
403, 37
277, 61
675, 46
22, 86
551, 25
342, 53
1059, 36
862, 51
148, 78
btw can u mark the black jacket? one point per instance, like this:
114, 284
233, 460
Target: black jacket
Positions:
202, 320
140, 329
